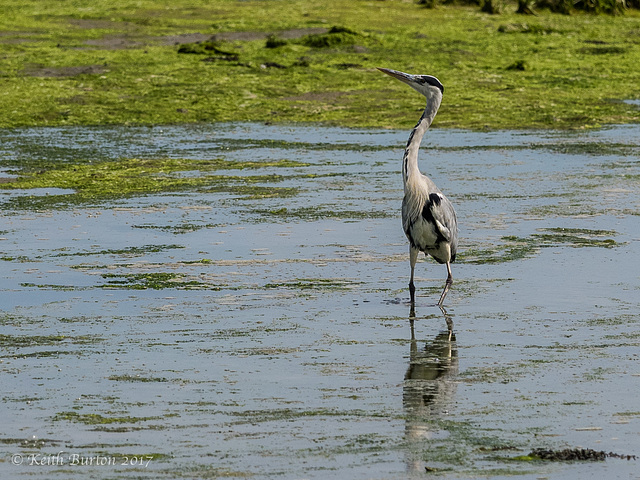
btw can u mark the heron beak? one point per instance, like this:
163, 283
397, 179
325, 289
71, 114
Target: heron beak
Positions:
403, 77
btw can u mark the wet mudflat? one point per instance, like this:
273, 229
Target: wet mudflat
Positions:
249, 317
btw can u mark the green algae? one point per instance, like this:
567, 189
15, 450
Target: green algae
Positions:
98, 419
270, 415
108, 180
179, 228
7, 341
511, 250
137, 281
209, 471
320, 212
515, 248
315, 284
22, 341
127, 251
136, 378
153, 281
333, 38
31, 443
576, 237
125, 63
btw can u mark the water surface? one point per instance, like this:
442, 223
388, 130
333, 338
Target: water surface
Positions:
212, 333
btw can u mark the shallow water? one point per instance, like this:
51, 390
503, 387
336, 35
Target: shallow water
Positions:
211, 334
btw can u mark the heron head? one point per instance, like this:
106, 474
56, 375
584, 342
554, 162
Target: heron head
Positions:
427, 85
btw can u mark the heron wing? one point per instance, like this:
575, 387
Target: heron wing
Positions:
439, 211
431, 226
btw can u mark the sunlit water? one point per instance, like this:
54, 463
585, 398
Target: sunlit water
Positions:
284, 349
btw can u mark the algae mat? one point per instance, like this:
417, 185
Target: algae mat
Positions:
230, 301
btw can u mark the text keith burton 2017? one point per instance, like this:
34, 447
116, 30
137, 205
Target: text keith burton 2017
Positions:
75, 459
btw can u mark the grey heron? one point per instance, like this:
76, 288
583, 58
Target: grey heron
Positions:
428, 217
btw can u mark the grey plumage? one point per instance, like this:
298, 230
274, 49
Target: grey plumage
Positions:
428, 217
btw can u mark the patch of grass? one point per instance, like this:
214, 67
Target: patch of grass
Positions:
88, 63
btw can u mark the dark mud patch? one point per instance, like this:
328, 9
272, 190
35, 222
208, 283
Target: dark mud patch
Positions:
118, 42
123, 41
293, 33
58, 72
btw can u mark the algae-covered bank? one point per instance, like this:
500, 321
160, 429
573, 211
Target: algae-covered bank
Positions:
230, 301
175, 61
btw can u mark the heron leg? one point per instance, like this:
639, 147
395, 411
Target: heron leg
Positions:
413, 258
447, 284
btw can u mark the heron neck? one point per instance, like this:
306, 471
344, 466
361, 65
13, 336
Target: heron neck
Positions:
410, 167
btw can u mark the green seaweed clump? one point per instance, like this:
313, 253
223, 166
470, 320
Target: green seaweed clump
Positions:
314, 284
97, 419
153, 281
274, 41
207, 47
136, 378
517, 248
336, 36
130, 177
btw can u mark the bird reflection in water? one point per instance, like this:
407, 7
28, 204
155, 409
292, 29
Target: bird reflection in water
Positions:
429, 388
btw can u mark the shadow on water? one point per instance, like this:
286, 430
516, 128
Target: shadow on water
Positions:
428, 388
